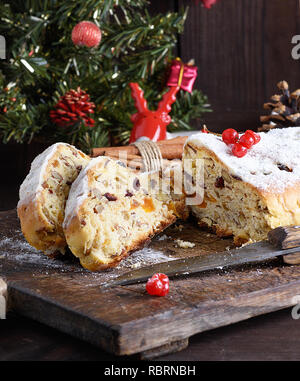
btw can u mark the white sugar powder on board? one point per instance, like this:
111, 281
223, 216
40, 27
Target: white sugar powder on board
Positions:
21, 251
144, 257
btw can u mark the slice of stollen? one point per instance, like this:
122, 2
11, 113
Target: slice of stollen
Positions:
109, 214
43, 196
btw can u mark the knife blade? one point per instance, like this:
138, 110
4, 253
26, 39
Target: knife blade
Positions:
281, 241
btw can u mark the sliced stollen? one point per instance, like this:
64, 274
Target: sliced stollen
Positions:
43, 196
109, 214
247, 197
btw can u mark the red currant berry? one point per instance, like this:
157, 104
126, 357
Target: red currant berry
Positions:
230, 136
247, 140
158, 285
255, 136
238, 150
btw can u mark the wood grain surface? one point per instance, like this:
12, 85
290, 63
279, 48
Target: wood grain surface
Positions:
125, 320
242, 49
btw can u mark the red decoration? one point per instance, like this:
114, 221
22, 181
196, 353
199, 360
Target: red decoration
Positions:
73, 107
208, 3
158, 285
86, 33
182, 75
151, 125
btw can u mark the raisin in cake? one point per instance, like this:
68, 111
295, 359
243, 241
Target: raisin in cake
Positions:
43, 196
109, 214
247, 197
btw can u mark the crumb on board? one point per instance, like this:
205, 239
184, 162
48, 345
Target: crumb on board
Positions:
136, 265
163, 237
178, 227
184, 244
247, 243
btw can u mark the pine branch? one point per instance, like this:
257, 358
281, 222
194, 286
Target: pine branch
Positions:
44, 64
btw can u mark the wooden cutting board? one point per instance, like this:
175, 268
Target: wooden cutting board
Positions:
126, 320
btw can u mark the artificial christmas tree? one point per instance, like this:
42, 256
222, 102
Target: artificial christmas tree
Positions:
45, 61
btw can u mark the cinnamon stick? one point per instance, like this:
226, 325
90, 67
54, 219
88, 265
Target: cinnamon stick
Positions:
137, 164
177, 140
170, 149
116, 155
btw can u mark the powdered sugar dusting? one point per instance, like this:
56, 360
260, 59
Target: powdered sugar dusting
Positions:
271, 165
145, 257
32, 183
21, 252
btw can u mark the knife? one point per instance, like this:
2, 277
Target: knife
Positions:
282, 241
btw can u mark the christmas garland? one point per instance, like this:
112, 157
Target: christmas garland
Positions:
66, 79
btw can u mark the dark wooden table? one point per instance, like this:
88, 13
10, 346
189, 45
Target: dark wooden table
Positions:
270, 337
250, 79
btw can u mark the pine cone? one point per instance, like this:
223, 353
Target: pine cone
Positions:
285, 109
73, 107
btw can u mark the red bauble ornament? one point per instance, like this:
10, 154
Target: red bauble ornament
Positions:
86, 33
73, 107
208, 3
147, 124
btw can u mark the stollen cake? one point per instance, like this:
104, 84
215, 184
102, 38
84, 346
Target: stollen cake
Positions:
43, 196
247, 197
109, 214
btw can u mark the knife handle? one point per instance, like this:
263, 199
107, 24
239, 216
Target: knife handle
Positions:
285, 237
292, 259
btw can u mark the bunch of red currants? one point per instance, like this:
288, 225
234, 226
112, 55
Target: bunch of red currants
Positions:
240, 145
